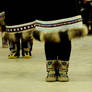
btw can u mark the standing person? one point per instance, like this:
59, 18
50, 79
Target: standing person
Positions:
2, 24
57, 43
16, 16
87, 14
20, 35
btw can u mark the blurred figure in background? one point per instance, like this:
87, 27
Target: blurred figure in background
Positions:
15, 17
2, 24
87, 14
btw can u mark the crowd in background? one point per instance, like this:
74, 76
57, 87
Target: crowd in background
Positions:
86, 12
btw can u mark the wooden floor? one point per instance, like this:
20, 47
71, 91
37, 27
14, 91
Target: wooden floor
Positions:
28, 75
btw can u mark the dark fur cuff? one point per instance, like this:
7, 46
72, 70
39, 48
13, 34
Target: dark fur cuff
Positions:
36, 35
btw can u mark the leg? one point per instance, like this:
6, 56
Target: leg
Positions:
14, 47
51, 51
13, 50
4, 43
50, 71
63, 61
63, 71
30, 45
17, 44
51, 57
27, 48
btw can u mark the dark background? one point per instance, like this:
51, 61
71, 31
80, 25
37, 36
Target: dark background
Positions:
18, 12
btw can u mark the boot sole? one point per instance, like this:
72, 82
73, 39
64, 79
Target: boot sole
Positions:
50, 80
27, 57
63, 80
12, 57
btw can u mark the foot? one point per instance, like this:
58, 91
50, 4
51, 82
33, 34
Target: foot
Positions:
26, 53
63, 71
63, 77
51, 77
13, 55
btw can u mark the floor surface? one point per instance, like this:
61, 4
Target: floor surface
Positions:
28, 75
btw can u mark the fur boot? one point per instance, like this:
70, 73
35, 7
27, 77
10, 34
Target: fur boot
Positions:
13, 51
26, 53
12, 54
50, 71
63, 71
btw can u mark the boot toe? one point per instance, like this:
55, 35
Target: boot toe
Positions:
50, 79
63, 79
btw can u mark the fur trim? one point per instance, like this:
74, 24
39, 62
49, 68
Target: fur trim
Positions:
38, 35
56, 36
27, 34
77, 32
47, 37
50, 36
9, 36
